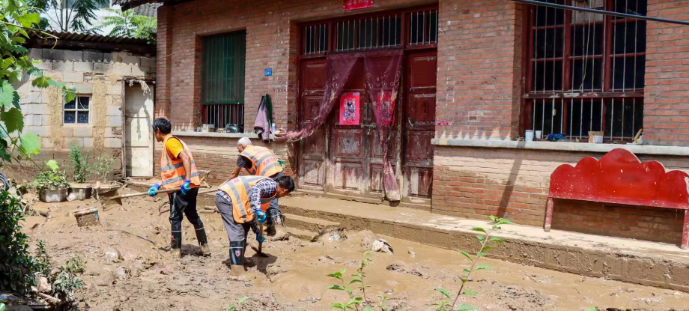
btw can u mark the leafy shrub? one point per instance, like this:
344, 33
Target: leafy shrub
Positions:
103, 167
66, 282
80, 163
16, 264
51, 178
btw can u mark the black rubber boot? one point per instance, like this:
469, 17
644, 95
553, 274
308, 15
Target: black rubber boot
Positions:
237, 253
176, 243
203, 240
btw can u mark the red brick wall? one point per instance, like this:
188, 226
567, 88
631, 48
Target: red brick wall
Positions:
512, 183
272, 40
479, 61
666, 114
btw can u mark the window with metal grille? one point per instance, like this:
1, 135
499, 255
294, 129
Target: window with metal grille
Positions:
586, 70
222, 92
77, 111
402, 28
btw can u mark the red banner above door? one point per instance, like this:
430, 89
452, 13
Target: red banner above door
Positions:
351, 5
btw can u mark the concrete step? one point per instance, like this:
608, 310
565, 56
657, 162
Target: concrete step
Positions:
308, 223
301, 234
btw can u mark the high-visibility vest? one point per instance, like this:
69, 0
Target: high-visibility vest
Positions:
263, 161
172, 170
238, 190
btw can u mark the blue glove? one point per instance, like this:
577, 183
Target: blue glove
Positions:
186, 186
152, 190
260, 238
261, 217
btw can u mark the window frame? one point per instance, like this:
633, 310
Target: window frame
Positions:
606, 94
76, 110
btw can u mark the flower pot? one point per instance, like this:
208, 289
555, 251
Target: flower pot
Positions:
54, 195
81, 192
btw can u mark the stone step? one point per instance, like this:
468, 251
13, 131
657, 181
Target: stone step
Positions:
308, 223
301, 234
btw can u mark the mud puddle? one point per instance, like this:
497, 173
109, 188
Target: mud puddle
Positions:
128, 268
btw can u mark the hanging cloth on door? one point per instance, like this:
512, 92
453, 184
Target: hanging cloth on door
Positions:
264, 119
383, 73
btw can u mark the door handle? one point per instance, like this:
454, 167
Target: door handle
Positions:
411, 124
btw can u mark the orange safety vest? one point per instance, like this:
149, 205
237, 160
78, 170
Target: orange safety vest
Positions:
238, 190
172, 170
263, 161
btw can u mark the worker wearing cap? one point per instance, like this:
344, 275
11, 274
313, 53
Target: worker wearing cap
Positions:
178, 171
260, 161
243, 202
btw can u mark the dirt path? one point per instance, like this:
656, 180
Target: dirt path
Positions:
128, 270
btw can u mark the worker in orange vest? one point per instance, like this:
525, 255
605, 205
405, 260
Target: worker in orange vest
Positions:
260, 161
242, 203
178, 171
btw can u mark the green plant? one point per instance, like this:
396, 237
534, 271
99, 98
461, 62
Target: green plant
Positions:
51, 178
80, 163
355, 302
16, 264
66, 281
43, 262
2, 307
128, 24
234, 306
103, 167
485, 239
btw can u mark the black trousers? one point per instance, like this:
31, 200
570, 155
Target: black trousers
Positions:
184, 205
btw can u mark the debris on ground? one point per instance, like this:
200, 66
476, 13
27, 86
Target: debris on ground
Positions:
381, 246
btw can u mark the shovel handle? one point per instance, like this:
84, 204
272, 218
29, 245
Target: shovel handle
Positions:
156, 192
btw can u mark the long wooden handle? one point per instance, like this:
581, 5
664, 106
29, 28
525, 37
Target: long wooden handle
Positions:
158, 191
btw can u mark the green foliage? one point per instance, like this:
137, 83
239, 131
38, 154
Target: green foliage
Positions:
43, 261
16, 264
80, 163
66, 282
487, 242
355, 301
128, 24
2, 307
17, 20
103, 167
234, 306
51, 178
78, 16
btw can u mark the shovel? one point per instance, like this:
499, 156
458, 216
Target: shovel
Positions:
117, 200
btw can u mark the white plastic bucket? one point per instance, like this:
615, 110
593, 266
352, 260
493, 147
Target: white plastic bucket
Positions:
528, 136
597, 139
539, 134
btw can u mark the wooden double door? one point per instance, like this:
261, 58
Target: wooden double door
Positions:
348, 160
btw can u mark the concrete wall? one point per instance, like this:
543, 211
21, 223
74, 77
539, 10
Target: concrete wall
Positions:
98, 75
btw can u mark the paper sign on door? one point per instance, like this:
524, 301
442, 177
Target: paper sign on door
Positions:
349, 108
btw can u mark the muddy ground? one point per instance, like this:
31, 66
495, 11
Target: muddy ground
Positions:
128, 268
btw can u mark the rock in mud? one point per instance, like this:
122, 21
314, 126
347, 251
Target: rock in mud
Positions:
120, 273
381, 246
337, 235
411, 252
71, 197
106, 278
367, 237
113, 255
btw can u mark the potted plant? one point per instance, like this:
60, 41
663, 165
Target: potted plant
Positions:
51, 184
80, 166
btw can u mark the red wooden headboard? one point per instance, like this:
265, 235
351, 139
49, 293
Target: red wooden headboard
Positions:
619, 177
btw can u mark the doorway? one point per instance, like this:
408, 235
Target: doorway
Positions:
138, 111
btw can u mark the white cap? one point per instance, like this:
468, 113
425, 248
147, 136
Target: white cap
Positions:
244, 141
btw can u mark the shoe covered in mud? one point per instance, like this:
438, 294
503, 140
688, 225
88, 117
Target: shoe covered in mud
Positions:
271, 231
205, 251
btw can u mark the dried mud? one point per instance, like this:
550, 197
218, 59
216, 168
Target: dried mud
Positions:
128, 268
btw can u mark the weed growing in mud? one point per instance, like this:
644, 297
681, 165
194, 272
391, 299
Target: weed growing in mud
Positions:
66, 281
103, 167
80, 163
234, 306
485, 238
43, 262
355, 302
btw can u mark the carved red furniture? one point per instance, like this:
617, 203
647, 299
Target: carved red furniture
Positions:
620, 178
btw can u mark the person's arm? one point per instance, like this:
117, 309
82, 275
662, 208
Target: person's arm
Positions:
235, 173
186, 161
255, 199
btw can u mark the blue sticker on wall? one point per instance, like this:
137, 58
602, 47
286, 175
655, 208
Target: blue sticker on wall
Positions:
268, 72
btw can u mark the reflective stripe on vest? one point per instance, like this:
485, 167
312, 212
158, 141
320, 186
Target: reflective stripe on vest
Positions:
238, 190
172, 170
263, 161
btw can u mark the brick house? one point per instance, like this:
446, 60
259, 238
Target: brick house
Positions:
108, 115
475, 76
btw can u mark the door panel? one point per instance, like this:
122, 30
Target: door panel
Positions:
312, 150
419, 128
138, 110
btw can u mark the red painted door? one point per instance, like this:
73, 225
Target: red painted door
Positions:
312, 150
419, 124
